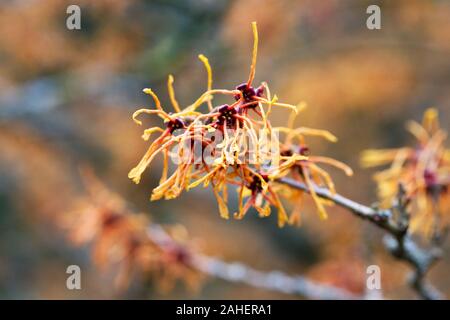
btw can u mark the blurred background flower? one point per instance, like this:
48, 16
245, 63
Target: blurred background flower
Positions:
66, 98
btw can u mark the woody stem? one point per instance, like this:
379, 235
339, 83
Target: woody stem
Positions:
238, 272
398, 241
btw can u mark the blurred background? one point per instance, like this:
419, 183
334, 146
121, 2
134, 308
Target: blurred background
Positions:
66, 99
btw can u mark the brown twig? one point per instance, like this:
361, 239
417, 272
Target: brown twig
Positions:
395, 221
240, 273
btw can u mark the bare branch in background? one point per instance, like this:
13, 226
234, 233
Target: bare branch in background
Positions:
398, 241
240, 273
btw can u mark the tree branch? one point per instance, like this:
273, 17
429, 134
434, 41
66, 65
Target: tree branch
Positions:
240, 273
398, 241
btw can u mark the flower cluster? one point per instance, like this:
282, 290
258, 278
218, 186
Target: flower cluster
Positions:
125, 242
234, 145
423, 170
308, 170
